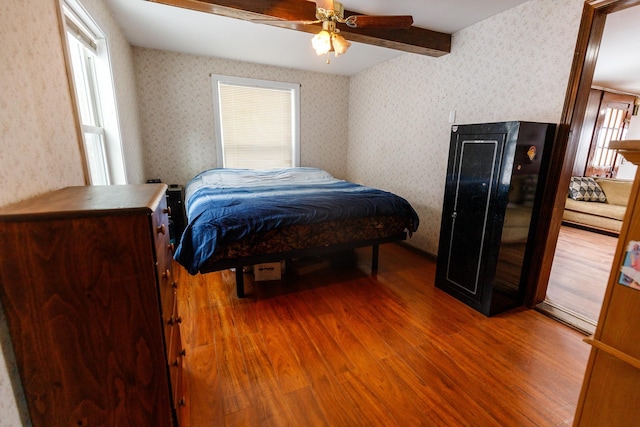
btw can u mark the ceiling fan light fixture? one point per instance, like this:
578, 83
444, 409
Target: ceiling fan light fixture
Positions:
328, 40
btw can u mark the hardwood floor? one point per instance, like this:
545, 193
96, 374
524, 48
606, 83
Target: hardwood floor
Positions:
342, 348
580, 271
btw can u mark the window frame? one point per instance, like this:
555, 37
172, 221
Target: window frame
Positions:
294, 89
79, 25
611, 123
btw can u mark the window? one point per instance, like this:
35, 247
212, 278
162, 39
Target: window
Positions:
611, 124
257, 123
92, 81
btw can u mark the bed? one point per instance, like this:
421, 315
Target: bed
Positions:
241, 217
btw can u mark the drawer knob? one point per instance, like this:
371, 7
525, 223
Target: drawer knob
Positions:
161, 229
170, 321
183, 353
182, 402
167, 210
176, 362
166, 273
174, 285
179, 319
171, 247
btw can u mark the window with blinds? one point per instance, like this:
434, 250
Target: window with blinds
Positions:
257, 123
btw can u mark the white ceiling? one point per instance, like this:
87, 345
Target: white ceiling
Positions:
618, 65
158, 26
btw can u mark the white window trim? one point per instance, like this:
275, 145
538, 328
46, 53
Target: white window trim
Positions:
106, 88
218, 79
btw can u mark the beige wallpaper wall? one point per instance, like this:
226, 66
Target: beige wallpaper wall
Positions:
176, 110
40, 151
38, 138
514, 66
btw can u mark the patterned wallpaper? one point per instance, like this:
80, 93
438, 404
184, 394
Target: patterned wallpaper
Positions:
40, 150
176, 109
513, 66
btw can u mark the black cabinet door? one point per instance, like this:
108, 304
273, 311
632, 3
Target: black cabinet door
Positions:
471, 186
494, 173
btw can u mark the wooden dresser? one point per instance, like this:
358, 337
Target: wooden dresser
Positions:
86, 284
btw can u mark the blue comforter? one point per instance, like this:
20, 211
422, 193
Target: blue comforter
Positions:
225, 205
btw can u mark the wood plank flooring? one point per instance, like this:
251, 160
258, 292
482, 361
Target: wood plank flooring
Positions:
342, 348
580, 271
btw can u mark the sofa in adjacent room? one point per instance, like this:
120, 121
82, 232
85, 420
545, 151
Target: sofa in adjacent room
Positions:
597, 203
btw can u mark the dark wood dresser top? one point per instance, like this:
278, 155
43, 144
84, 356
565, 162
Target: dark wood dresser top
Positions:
87, 201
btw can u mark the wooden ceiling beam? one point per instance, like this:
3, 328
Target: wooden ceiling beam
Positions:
274, 12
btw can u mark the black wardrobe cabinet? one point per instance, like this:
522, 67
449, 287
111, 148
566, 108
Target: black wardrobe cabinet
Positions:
495, 177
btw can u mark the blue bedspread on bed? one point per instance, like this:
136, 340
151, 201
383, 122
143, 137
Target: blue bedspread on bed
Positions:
225, 205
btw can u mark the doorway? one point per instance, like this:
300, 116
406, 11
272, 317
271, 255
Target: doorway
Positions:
561, 166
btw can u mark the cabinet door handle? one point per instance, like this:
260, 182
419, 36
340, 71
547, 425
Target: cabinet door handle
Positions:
161, 229
167, 210
455, 214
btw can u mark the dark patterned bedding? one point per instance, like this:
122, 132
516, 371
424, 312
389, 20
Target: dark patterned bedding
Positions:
297, 237
237, 214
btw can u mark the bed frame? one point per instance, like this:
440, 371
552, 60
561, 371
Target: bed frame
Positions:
240, 262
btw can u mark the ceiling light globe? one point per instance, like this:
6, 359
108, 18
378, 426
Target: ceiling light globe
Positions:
321, 43
340, 44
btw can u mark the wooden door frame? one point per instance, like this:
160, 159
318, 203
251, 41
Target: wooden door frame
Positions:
565, 146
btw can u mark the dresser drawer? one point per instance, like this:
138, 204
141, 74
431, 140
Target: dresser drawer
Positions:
168, 287
161, 224
176, 356
171, 322
166, 282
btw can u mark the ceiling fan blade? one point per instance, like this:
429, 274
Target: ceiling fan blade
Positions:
368, 21
276, 21
325, 4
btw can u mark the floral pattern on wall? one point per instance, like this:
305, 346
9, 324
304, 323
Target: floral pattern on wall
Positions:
175, 96
40, 150
513, 66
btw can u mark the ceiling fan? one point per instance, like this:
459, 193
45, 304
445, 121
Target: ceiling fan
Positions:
331, 12
371, 30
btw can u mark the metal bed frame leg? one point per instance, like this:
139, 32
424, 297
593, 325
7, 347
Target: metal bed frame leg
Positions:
374, 259
239, 282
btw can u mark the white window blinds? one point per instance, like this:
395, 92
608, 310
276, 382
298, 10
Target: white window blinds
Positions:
257, 123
